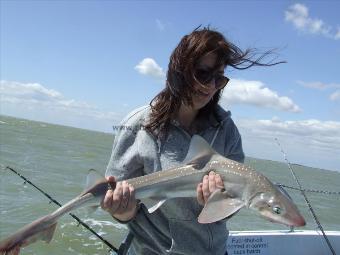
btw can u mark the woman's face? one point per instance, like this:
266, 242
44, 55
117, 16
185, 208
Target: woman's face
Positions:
202, 95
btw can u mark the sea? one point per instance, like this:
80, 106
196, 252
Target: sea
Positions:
57, 159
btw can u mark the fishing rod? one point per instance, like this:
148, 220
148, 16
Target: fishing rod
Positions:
306, 199
124, 245
326, 192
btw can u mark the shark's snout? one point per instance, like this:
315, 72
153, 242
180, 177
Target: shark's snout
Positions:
299, 222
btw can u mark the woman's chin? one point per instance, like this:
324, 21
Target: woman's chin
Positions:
199, 104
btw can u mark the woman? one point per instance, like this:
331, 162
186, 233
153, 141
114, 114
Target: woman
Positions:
157, 137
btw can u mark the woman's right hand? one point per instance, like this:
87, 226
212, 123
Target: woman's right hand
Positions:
121, 202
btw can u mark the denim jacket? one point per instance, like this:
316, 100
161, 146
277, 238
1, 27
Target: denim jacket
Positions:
173, 228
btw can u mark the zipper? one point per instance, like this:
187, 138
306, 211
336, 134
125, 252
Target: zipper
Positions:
210, 238
176, 124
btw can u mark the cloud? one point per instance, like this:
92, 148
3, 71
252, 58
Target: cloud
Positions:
256, 94
20, 98
318, 132
35, 93
160, 25
323, 86
318, 85
335, 96
29, 91
298, 15
314, 141
149, 67
337, 35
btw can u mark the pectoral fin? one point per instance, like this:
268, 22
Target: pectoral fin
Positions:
152, 204
48, 233
219, 206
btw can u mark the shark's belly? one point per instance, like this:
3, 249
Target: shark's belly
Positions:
181, 186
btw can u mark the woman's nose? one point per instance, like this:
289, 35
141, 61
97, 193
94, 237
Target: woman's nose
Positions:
212, 83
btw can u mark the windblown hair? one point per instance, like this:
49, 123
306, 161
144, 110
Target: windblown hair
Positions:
181, 79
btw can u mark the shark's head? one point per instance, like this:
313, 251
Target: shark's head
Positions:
277, 207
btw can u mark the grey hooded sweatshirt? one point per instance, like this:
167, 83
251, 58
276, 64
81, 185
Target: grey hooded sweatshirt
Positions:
173, 228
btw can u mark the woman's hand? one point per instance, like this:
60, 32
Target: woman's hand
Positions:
121, 202
209, 184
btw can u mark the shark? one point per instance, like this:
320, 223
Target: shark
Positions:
244, 187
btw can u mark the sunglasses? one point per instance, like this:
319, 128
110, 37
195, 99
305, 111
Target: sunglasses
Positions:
206, 76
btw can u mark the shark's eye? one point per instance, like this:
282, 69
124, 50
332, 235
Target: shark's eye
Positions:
277, 209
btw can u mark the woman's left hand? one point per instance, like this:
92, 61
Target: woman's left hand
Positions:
209, 184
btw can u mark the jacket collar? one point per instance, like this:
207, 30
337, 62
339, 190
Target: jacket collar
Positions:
205, 122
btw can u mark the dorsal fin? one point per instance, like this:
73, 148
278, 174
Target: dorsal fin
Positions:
199, 153
93, 178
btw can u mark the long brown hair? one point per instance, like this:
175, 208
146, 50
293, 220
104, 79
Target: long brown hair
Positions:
181, 79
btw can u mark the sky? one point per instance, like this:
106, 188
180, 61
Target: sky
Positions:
89, 63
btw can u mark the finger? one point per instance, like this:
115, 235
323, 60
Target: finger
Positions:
205, 188
212, 182
14, 251
17, 250
117, 196
110, 178
219, 181
126, 195
199, 192
106, 203
112, 182
132, 201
